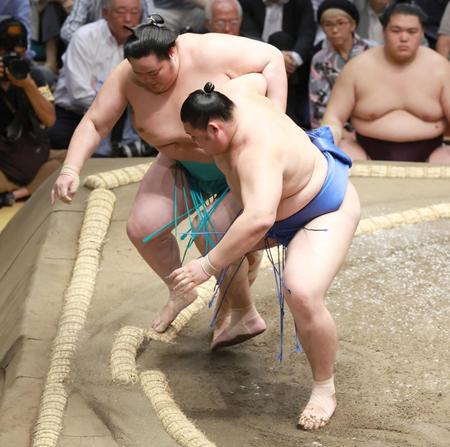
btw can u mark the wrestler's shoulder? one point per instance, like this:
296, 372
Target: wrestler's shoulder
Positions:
428, 57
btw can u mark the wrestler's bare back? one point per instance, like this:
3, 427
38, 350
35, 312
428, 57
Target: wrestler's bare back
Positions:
400, 103
267, 141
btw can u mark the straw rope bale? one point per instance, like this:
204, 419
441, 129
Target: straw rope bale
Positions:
385, 170
76, 303
123, 354
117, 177
182, 430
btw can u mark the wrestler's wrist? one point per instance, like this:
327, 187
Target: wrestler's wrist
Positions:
208, 267
336, 130
71, 171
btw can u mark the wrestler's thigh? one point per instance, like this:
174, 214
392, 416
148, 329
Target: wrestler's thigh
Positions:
223, 216
154, 201
314, 257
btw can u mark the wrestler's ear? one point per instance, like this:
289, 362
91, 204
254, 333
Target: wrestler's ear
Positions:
213, 129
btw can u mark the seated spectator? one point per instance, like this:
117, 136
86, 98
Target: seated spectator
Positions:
369, 19
180, 15
434, 10
443, 42
87, 11
338, 19
223, 16
19, 10
290, 26
94, 51
25, 110
397, 104
47, 19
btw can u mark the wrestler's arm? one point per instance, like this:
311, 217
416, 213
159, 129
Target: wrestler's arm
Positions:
261, 183
443, 45
445, 93
254, 57
98, 121
342, 102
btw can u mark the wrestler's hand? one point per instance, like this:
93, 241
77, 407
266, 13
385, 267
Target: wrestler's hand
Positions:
66, 184
187, 277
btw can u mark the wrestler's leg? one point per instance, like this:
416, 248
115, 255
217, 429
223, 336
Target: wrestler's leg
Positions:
237, 318
353, 149
440, 155
313, 260
151, 210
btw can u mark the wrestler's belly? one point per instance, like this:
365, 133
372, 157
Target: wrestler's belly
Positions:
399, 126
295, 202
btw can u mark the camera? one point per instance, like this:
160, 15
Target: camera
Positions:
16, 64
13, 35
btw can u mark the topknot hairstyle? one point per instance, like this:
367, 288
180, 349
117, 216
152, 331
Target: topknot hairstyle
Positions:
150, 37
206, 104
406, 7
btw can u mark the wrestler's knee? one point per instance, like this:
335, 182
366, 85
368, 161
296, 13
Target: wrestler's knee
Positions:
301, 298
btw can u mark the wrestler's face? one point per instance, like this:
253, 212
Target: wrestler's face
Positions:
402, 37
154, 74
212, 140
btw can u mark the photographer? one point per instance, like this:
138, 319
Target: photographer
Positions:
25, 111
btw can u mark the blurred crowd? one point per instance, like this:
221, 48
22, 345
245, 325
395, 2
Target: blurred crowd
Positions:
341, 59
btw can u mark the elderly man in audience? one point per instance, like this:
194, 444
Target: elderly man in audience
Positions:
338, 19
87, 11
398, 105
223, 16
94, 51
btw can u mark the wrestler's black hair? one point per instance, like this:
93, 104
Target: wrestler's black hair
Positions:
406, 7
150, 37
202, 105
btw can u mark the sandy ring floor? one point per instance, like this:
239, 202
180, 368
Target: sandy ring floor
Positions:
395, 219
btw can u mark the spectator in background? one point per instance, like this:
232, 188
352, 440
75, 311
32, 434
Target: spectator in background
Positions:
434, 10
47, 19
443, 43
21, 11
179, 15
289, 25
369, 19
25, 110
338, 19
94, 51
223, 16
87, 11
396, 95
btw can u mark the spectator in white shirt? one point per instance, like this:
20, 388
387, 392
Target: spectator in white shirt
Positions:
94, 51
87, 11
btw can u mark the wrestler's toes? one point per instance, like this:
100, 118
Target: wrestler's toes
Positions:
312, 419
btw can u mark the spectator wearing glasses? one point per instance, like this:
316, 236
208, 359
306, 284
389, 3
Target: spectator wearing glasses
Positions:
338, 19
94, 51
223, 16
87, 11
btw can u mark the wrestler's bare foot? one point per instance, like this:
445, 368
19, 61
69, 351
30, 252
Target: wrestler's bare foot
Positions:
243, 324
320, 407
177, 302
